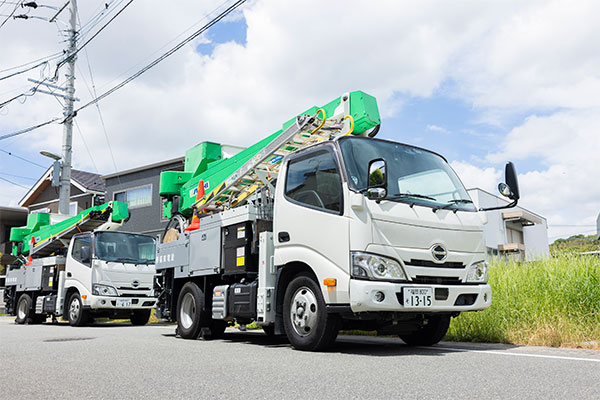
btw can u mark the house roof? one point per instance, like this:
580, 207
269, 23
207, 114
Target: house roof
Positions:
87, 182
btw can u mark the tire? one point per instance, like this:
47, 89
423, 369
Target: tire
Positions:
191, 316
23, 309
307, 324
429, 334
140, 317
75, 312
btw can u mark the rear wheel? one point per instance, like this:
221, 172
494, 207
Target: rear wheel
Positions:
429, 334
140, 317
191, 316
77, 315
23, 309
307, 324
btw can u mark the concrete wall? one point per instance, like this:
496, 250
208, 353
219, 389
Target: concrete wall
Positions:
143, 219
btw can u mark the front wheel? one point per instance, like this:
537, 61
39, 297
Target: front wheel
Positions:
140, 317
77, 315
307, 324
429, 334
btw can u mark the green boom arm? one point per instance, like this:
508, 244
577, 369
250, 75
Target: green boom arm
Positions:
41, 238
206, 162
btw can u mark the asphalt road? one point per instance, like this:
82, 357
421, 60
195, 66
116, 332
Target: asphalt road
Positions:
118, 361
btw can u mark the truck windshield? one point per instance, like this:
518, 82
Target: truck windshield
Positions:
414, 175
124, 247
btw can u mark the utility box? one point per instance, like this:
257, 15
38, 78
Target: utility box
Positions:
237, 249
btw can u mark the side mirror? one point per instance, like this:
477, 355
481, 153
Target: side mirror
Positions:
86, 254
509, 189
377, 179
511, 180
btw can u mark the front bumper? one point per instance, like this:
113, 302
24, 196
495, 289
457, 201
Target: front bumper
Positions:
363, 297
110, 302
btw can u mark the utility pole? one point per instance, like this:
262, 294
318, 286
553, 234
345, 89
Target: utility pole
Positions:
67, 147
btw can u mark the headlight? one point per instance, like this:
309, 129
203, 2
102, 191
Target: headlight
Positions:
371, 266
478, 272
103, 290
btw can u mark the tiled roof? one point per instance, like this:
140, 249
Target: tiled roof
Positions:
88, 180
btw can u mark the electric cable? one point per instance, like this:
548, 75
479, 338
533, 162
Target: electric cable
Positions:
135, 75
11, 14
71, 55
21, 158
14, 183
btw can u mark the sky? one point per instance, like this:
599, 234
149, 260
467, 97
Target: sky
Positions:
479, 82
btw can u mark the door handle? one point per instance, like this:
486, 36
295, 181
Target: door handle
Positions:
68, 275
283, 237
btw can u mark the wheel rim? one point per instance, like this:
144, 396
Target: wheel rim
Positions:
304, 311
187, 311
22, 310
74, 309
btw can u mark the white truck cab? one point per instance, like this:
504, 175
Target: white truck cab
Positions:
413, 242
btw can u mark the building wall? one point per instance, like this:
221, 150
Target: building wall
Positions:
535, 237
148, 218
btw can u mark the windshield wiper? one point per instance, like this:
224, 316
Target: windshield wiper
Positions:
452, 203
405, 195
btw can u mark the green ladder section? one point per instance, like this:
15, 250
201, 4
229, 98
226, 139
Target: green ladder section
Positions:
40, 238
227, 182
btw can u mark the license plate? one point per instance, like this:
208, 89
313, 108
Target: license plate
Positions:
418, 297
123, 302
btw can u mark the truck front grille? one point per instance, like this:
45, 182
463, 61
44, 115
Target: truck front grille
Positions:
430, 264
437, 280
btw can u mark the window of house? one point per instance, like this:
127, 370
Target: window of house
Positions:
73, 208
315, 181
135, 197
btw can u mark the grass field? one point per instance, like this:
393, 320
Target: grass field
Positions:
552, 302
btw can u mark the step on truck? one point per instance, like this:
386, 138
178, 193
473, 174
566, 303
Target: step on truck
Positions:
321, 227
80, 268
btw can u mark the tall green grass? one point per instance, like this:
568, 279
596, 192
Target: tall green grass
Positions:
551, 302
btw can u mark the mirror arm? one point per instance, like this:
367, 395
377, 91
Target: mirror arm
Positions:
510, 205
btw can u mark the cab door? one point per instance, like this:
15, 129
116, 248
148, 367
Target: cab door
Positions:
78, 270
309, 225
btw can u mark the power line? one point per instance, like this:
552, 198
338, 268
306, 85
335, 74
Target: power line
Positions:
18, 176
47, 58
164, 56
14, 183
11, 14
23, 71
24, 159
73, 54
137, 74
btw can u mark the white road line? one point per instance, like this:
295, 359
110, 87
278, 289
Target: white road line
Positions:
502, 353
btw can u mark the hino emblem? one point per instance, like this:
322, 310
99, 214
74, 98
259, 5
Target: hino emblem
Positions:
135, 284
439, 253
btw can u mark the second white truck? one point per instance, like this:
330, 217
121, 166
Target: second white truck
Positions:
81, 268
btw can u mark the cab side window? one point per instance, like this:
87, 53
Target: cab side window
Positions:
78, 244
315, 181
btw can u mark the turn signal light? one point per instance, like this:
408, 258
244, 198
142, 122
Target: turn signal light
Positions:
84, 296
329, 282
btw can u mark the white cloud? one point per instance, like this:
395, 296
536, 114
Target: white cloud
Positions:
435, 128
